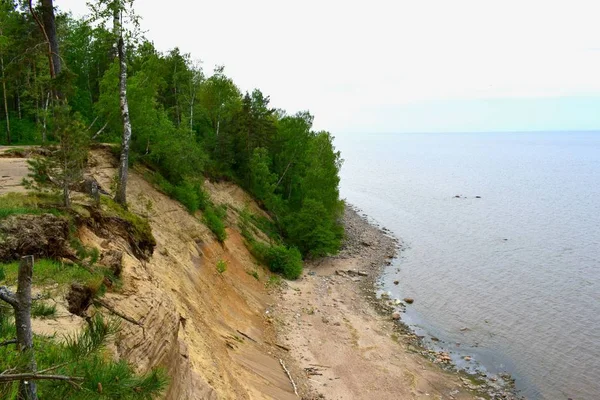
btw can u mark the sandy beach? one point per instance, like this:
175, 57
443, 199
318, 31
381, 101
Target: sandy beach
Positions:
349, 347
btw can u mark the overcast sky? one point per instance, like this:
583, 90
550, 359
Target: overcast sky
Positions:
398, 65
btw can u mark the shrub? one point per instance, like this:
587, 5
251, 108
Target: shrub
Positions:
213, 218
221, 266
285, 260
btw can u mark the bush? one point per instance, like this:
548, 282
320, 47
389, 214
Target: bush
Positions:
221, 266
213, 218
285, 260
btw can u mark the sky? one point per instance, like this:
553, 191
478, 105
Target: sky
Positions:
398, 65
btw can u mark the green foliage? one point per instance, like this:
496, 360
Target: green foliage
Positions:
185, 125
49, 272
313, 230
254, 274
278, 258
81, 355
273, 282
221, 266
139, 227
284, 260
43, 310
19, 203
214, 217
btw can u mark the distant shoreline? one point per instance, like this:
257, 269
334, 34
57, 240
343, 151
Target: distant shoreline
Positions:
355, 219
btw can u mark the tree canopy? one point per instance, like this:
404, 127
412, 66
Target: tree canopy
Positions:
186, 124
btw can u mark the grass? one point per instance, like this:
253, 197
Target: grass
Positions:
273, 282
221, 266
254, 274
46, 272
140, 227
21, 203
43, 310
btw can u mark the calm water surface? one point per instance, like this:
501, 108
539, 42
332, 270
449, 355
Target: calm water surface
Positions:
519, 268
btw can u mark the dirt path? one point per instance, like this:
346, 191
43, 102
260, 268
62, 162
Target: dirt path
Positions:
334, 332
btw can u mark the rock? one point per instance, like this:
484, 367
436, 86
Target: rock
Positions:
366, 243
467, 358
433, 338
395, 315
457, 196
477, 197
409, 300
396, 282
362, 273
325, 320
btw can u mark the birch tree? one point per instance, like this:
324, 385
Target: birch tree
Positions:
121, 194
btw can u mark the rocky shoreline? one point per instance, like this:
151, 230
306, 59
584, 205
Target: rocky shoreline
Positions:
367, 239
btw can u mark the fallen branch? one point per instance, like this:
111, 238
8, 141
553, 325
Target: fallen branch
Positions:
319, 365
99, 131
246, 336
38, 377
289, 377
117, 313
282, 347
7, 342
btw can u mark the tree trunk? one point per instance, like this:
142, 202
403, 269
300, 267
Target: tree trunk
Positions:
50, 28
18, 98
5, 99
21, 303
121, 195
44, 134
192, 112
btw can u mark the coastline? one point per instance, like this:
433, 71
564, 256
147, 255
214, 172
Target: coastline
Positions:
342, 340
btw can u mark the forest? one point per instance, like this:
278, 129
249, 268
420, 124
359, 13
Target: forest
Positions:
184, 123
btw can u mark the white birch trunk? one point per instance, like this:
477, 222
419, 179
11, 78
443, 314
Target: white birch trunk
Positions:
121, 195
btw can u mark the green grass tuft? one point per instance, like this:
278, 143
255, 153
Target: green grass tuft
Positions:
20, 203
43, 310
221, 266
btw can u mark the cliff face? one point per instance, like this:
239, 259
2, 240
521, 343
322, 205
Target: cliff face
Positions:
207, 328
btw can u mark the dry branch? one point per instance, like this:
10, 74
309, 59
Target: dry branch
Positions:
289, 377
38, 377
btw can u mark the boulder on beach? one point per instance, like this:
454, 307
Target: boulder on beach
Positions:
409, 300
396, 316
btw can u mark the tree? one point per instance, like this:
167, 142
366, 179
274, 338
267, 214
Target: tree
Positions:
121, 193
21, 303
3, 43
74, 369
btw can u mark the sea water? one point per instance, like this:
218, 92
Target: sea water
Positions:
511, 278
